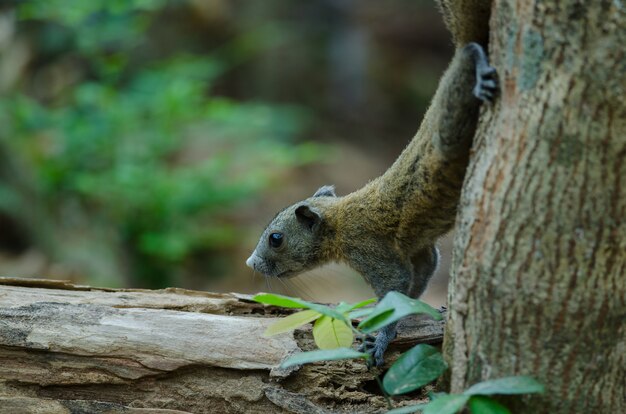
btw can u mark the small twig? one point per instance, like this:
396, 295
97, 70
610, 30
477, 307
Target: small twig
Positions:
385, 394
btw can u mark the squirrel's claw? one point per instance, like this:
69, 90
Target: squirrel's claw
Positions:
486, 87
367, 343
372, 346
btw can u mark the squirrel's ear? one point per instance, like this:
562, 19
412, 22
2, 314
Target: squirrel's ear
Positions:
308, 217
325, 191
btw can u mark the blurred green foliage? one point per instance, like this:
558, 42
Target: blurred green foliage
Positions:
143, 145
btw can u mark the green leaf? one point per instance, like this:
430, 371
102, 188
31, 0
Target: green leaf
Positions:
479, 404
328, 311
414, 369
393, 307
323, 355
279, 300
376, 319
408, 409
346, 307
434, 395
508, 385
359, 313
331, 333
363, 303
447, 404
289, 302
291, 322
343, 307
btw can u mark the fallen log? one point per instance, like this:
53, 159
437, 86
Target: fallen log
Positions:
68, 348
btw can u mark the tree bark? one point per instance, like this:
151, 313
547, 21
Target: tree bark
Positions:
539, 268
66, 349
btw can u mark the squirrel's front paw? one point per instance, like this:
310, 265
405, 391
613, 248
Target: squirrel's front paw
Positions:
376, 346
371, 345
486, 83
486, 87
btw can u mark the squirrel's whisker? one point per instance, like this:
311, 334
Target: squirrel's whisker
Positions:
304, 288
285, 287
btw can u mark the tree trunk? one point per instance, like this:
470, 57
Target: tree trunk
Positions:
539, 269
67, 349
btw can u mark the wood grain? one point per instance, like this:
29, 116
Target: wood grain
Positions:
67, 348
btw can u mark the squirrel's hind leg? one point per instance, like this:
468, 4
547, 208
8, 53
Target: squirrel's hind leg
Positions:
425, 263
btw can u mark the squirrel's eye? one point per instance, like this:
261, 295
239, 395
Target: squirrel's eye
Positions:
276, 239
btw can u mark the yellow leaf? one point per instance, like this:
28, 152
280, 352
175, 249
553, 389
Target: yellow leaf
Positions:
291, 322
332, 333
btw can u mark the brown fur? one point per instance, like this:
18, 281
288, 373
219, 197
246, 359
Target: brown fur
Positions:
467, 20
408, 208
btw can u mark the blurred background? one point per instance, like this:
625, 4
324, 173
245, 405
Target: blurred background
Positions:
147, 143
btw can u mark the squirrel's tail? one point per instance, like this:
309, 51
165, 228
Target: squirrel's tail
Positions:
467, 20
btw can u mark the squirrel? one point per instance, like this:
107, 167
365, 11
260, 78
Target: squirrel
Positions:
388, 230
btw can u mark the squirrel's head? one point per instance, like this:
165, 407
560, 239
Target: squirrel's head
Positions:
291, 242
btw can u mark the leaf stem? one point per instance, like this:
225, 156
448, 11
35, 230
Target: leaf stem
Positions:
382, 389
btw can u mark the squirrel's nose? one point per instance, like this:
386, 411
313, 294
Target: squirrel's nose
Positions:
250, 261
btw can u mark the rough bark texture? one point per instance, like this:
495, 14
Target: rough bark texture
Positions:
76, 349
539, 281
